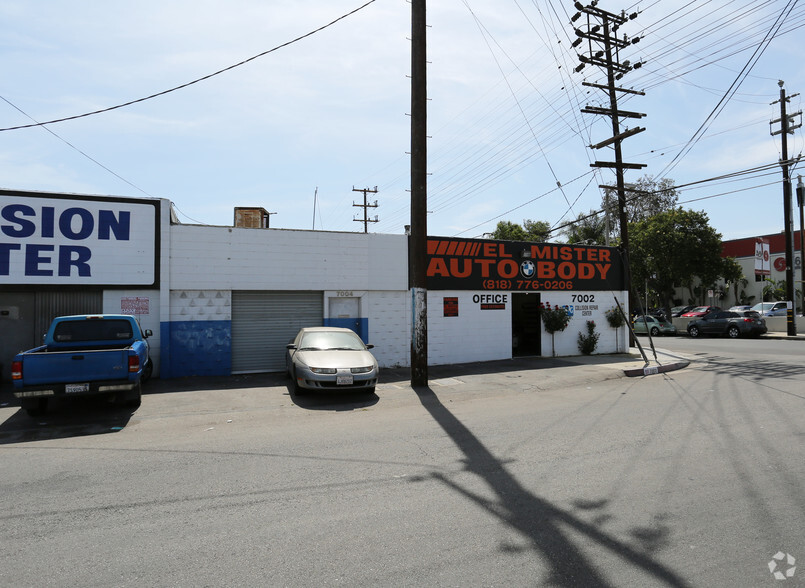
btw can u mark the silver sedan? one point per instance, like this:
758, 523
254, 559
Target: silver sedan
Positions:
330, 358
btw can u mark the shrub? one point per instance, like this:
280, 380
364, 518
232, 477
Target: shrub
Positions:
615, 318
555, 319
588, 342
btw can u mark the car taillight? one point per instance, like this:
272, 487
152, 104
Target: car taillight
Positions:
16, 370
134, 364
749, 320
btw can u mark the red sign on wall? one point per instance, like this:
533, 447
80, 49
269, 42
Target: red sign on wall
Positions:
450, 306
134, 305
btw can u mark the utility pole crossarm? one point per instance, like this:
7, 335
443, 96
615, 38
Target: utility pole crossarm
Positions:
618, 165
626, 90
609, 112
623, 135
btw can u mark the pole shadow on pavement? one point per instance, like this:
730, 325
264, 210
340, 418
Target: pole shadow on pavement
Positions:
533, 517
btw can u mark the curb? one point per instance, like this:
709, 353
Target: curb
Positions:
659, 369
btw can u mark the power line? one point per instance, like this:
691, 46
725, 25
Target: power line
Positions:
196, 81
66, 142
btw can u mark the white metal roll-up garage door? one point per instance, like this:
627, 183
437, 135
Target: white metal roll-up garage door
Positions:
264, 322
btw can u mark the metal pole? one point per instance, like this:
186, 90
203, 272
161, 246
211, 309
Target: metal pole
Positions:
419, 217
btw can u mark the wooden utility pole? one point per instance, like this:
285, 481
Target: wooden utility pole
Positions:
366, 206
602, 48
417, 251
787, 127
801, 204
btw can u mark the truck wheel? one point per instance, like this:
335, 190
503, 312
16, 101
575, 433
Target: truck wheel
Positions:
34, 406
134, 398
148, 369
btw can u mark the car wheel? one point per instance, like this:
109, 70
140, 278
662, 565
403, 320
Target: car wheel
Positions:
297, 389
655, 331
733, 332
693, 331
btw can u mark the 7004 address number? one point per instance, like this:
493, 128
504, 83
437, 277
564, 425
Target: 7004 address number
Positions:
528, 285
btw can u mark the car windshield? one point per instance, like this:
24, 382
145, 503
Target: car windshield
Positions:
700, 309
761, 306
328, 340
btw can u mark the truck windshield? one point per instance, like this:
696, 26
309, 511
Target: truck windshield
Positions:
92, 330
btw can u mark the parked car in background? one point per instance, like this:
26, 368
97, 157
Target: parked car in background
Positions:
654, 325
701, 311
740, 308
330, 358
725, 322
771, 308
680, 310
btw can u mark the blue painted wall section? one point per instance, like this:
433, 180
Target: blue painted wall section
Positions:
196, 348
359, 325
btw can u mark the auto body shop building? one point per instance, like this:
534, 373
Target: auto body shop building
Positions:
226, 299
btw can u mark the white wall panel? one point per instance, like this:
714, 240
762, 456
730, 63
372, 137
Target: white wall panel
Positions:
473, 335
389, 321
204, 257
586, 306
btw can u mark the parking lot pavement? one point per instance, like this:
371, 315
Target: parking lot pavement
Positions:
548, 372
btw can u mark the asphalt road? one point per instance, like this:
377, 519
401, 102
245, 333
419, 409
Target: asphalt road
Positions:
545, 476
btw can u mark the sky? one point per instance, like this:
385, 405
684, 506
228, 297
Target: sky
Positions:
323, 109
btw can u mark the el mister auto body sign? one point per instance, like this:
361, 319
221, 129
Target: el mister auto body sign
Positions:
480, 264
74, 240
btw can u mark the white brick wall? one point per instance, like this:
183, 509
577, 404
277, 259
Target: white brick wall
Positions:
473, 335
228, 258
389, 316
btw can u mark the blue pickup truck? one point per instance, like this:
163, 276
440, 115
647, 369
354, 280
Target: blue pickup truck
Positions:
83, 355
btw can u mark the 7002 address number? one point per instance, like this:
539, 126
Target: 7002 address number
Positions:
528, 285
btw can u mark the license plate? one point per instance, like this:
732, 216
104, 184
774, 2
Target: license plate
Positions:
343, 380
73, 388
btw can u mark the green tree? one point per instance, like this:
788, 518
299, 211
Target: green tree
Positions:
676, 247
508, 231
644, 198
773, 290
590, 228
536, 231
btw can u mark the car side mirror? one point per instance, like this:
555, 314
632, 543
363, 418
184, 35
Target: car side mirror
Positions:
290, 346
369, 346
148, 333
